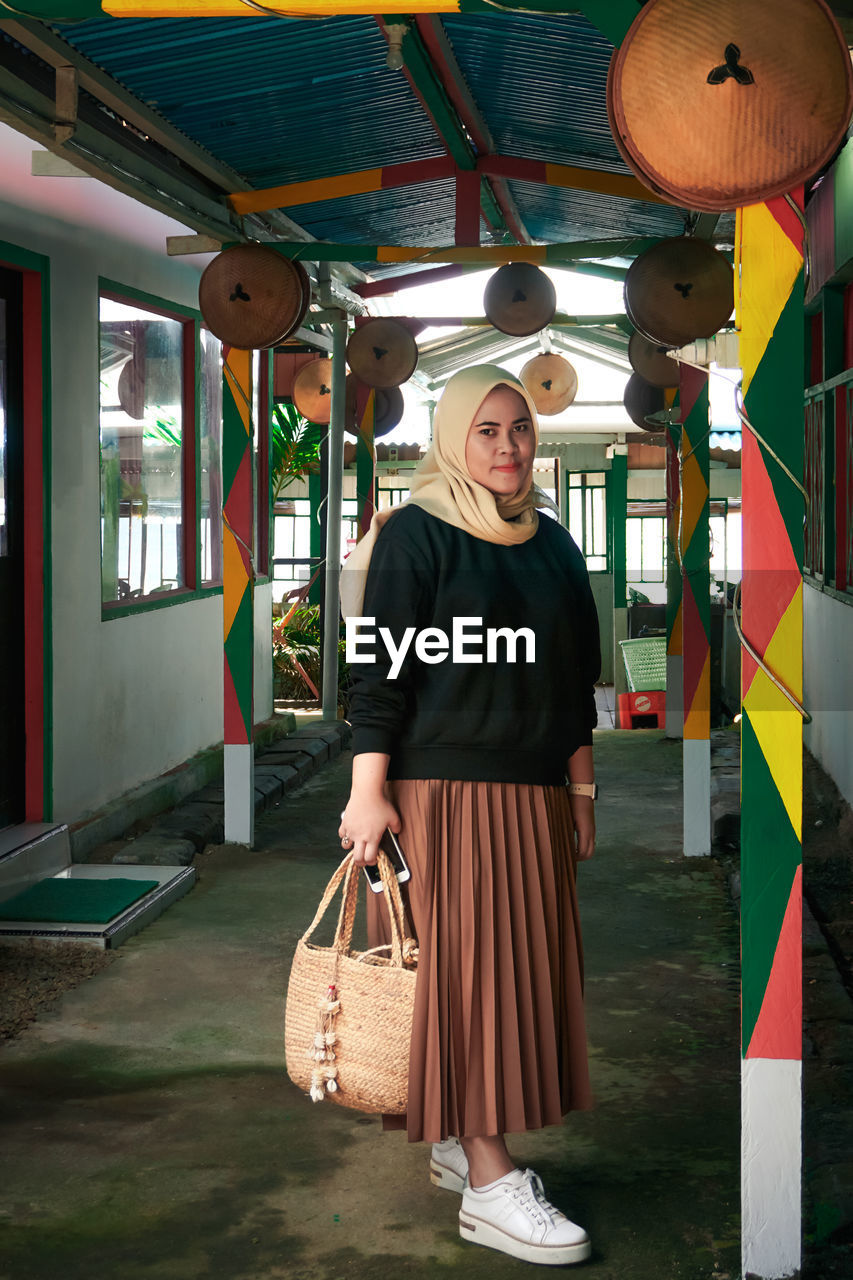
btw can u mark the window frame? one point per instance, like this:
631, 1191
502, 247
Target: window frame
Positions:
190, 319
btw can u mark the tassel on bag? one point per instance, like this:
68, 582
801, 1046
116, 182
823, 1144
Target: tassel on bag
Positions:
348, 1020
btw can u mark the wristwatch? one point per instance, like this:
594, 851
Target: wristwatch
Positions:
583, 789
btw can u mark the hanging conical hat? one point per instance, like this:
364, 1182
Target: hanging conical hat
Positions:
388, 409
306, 296
642, 400
519, 299
312, 391
679, 290
251, 296
650, 360
721, 103
382, 353
551, 381
131, 388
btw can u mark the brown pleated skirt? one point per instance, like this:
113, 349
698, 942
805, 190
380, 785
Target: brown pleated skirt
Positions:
498, 1044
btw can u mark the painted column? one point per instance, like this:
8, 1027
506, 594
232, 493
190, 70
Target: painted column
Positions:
238, 596
332, 597
618, 499
674, 661
694, 546
365, 457
771, 343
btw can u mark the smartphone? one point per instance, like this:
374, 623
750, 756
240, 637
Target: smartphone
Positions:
391, 845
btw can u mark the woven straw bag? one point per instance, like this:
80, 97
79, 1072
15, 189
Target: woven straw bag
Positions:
348, 1018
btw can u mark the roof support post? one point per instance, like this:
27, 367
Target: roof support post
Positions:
617, 501
467, 207
674, 659
770, 238
238, 596
332, 601
694, 550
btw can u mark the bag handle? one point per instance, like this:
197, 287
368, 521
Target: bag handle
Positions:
347, 874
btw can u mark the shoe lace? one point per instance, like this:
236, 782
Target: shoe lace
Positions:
530, 1196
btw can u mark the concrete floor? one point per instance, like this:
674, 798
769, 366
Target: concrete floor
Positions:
150, 1129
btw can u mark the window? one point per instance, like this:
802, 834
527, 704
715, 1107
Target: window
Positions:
147, 451
391, 491
645, 538
292, 566
587, 517
210, 459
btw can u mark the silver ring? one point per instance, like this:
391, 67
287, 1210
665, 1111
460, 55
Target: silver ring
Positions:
345, 840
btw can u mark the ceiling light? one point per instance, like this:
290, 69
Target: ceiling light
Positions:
394, 60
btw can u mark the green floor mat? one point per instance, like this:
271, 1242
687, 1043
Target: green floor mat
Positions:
75, 901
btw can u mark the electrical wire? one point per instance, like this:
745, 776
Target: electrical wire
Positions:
756, 657
283, 13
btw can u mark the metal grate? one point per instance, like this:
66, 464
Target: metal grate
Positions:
645, 663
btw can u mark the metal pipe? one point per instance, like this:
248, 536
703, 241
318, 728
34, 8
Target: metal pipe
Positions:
332, 600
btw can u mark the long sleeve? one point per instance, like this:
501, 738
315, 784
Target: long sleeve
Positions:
398, 595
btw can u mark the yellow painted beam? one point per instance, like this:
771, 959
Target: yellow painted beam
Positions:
294, 193
623, 185
286, 8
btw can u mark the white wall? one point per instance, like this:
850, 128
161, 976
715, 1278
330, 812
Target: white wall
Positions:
135, 696
828, 681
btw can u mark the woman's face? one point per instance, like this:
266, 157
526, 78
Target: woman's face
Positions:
501, 443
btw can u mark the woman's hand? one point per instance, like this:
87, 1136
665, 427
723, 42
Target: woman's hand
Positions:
363, 824
583, 818
368, 811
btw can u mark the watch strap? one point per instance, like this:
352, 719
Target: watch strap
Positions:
584, 789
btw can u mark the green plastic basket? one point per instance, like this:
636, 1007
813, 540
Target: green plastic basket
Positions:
645, 663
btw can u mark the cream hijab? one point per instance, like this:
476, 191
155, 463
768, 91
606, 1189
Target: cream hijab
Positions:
442, 485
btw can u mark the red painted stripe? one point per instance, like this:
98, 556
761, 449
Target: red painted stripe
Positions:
467, 207
238, 507
692, 384
34, 549
778, 1029
235, 725
773, 576
787, 217
394, 284
513, 167
694, 647
414, 172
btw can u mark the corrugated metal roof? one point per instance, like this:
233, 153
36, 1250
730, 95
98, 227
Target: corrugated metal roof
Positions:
558, 213
541, 83
282, 100
276, 99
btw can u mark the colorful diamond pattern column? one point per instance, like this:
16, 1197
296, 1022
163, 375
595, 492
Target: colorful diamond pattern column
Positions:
692, 532
365, 457
674, 665
770, 316
238, 595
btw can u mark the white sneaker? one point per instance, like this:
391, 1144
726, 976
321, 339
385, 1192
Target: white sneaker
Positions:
448, 1166
514, 1216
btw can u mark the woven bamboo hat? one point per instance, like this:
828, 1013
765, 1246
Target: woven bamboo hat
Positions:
382, 353
679, 290
312, 391
716, 105
519, 299
551, 381
251, 296
650, 360
388, 409
641, 401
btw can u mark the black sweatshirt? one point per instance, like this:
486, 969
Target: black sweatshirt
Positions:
499, 720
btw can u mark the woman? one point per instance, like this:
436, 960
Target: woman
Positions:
472, 700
